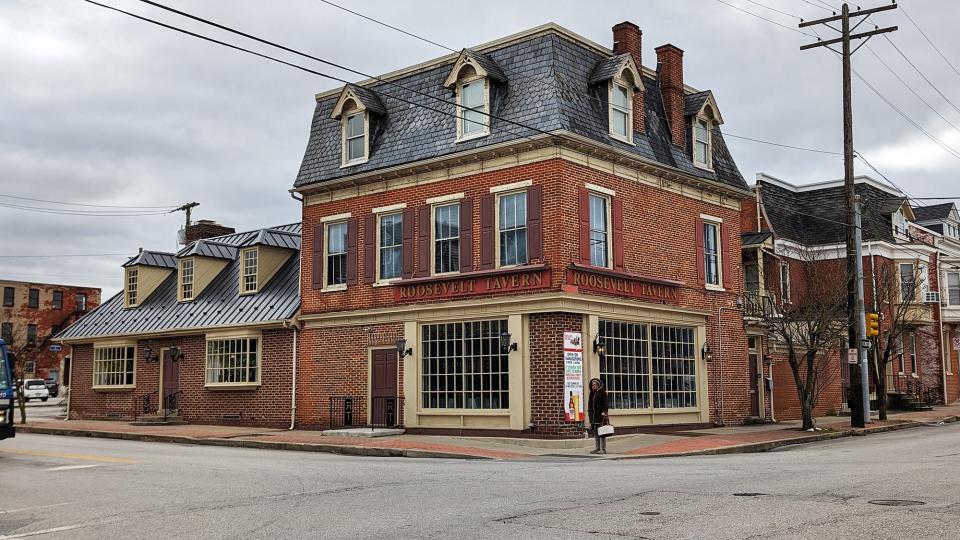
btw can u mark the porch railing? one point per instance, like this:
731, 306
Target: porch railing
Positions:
759, 304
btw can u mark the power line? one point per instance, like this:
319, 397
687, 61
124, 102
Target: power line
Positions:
775, 9
65, 212
86, 205
922, 33
816, 150
761, 17
64, 255
945, 98
819, 6
381, 23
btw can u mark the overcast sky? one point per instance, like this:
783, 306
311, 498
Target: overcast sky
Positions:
100, 108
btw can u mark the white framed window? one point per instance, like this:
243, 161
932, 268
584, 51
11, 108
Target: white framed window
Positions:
473, 100
186, 279
908, 284
446, 238
620, 111
899, 224
131, 293
233, 361
902, 353
335, 255
599, 230
249, 274
702, 143
464, 366
114, 367
785, 282
711, 254
912, 342
355, 130
953, 289
390, 252
512, 228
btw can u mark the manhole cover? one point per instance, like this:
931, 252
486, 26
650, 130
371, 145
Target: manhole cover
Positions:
649, 513
749, 494
896, 502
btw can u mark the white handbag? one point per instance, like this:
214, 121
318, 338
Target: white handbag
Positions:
605, 431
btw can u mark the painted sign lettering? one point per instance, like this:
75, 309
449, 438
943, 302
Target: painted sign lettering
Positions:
632, 286
470, 286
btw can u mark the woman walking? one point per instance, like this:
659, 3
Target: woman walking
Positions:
598, 413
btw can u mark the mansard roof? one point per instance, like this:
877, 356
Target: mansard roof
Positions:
934, 212
609, 68
483, 64
365, 98
547, 88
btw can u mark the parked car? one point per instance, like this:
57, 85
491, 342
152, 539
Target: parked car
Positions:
35, 389
53, 387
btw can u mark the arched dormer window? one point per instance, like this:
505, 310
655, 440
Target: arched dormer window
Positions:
354, 110
704, 119
471, 78
620, 103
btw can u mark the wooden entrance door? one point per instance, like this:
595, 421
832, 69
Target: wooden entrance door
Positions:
171, 382
383, 388
753, 355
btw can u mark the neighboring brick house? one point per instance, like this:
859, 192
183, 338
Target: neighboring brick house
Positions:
787, 226
576, 191
204, 335
31, 313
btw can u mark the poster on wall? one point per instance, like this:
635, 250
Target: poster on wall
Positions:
573, 376
956, 343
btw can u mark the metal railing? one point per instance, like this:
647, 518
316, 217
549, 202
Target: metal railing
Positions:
171, 403
143, 405
351, 411
759, 304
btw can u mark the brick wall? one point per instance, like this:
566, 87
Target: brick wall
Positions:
953, 378
547, 373
265, 405
786, 400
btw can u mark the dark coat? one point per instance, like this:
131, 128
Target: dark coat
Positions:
597, 404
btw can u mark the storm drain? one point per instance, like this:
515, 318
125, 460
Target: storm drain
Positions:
896, 502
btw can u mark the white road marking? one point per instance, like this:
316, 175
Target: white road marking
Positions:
54, 530
27, 508
71, 467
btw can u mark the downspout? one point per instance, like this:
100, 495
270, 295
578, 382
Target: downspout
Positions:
69, 393
943, 363
773, 409
720, 355
296, 327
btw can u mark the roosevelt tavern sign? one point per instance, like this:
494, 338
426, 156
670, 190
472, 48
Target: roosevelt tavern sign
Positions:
623, 284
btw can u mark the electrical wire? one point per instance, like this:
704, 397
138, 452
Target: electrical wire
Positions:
65, 212
761, 17
791, 15
168, 207
381, 23
922, 33
945, 98
64, 255
818, 6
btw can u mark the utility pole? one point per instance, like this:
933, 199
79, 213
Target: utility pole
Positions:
859, 395
186, 209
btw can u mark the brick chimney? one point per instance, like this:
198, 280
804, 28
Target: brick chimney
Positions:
628, 38
206, 228
670, 71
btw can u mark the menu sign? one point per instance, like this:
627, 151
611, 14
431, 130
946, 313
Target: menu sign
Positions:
573, 376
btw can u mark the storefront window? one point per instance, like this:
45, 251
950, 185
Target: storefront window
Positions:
648, 364
113, 366
463, 366
232, 361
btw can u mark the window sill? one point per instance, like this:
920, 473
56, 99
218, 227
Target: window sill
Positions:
386, 283
621, 138
914, 375
333, 288
629, 412
464, 412
473, 136
247, 293
125, 388
354, 163
232, 386
703, 167
715, 288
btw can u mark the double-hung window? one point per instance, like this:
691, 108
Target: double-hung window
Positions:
785, 283
355, 139
57, 299
701, 143
599, 231
512, 224
953, 289
6, 333
31, 335
132, 277
908, 283
232, 361
711, 253
446, 238
473, 109
250, 263
620, 102
8, 293
336, 256
912, 341
186, 279
82, 302
391, 246
113, 366
33, 300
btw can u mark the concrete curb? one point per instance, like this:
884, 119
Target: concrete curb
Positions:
766, 446
347, 450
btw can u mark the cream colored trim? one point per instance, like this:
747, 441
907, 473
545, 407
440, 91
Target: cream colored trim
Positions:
507, 305
115, 342
387, 283
230, 333
608, 203
600, 189
445, 198
347, 94
511, 187
336, 217
611, 85
461, 110
334, 288
389, 208
433, 239
714, 219
377, 249
232, 385
109, 344
256, 281
463, 61
708, 165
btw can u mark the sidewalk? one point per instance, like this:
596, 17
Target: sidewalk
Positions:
722, 440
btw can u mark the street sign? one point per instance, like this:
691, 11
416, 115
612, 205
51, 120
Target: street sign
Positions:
55, 348
853, 356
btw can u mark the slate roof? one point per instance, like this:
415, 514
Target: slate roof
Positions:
219, 305
609, 68
817, 216
488, 64
692, 103
754, 238
547, 87
159, 259
932, 212
369, 98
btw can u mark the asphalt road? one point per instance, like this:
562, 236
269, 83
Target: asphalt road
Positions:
62, 487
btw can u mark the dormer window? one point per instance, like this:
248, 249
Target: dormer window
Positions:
131, 288
620, 115
899, 224
704, 117
186, 279
473, 98
702, 144
248, 283
355, 139
356, 110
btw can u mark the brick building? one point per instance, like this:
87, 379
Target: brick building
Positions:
31, 313
552, 186
786, 227
203, 335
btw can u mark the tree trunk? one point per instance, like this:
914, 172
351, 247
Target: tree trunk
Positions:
882, 389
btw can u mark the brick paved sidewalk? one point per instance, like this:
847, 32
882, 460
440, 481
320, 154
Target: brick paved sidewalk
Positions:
730, 439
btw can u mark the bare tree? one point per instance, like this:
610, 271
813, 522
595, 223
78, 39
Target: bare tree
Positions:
811, 327
22, 352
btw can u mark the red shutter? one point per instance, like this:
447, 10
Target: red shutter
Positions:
535, 224
424, 224
370, 248
352, 251
407, 254
726, 258
584, 226
699, 264
318, 256
617, 211
486, 232
466, 235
